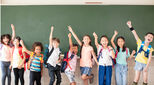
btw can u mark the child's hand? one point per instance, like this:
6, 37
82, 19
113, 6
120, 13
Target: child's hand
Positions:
69, 35
133, 52
116, 32
10, 67
21, 42
145, 69
20, 66
95, 35
12, 26
110, 48
52, 28
129, 24
70, 28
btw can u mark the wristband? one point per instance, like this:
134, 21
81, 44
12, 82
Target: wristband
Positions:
131, 29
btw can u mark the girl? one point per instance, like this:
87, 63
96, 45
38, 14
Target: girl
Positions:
5, 58
86, 60
105, 55
17, 61
35, 62
122, 54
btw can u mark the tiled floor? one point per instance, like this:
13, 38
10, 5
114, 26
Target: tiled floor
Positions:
45, 78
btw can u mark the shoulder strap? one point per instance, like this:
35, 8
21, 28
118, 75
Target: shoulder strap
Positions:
126, 51
20, 52
50, 51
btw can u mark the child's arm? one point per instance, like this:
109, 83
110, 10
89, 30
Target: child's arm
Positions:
24, 47
94, 56
23, 61
13, 32
96, 40
74, 35
149, 60
70, 40
133, 31
50, 38
112, 52
132, 55
112, 39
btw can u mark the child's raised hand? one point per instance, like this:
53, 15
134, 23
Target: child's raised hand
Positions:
133, 52
129, 24
116, 32
52, 28
12, 26
69, 35
95, 35
110, 48
70, 28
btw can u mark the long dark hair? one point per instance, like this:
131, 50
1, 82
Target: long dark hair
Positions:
83, 43
18, 38
8, 36
124, 47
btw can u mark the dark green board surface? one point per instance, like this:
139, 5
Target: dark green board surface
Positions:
33, 23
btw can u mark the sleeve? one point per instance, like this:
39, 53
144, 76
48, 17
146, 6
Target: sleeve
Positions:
50, 47
128, 55
31, 54
151, 50
42, 59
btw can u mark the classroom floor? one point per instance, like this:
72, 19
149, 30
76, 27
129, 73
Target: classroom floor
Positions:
65, 81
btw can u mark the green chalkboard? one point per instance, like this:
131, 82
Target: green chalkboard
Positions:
33, 23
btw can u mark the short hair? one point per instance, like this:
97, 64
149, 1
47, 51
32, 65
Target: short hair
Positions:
149, 33
75, 45
56, 39
35, 44
8, 36
105, 37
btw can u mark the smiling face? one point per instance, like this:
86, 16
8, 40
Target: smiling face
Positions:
5, 40
148, 38
86, 40
120, 42
104, 41
16, 42
37, 50
55, 44
74, 49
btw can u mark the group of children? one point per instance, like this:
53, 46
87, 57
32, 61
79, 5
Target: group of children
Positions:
14, 56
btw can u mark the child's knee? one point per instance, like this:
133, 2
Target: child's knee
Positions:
83, 77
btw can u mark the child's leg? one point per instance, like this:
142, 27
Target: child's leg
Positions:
21, 76
73, 83
32, 78
124, 75
145, 76
58, 74
118, 75
51, 71
8, 73
108, 75
137, 76
38, 78
4, 72
16, 70
101, 75
71, 77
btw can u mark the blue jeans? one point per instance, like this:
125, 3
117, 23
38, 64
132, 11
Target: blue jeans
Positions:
105, 75
6, 72
121, 74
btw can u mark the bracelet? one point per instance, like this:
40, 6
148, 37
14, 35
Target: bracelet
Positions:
131, 29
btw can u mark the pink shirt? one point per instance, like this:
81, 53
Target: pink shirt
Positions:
5, 52
86, 55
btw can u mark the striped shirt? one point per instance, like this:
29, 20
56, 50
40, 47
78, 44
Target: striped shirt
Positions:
36, 63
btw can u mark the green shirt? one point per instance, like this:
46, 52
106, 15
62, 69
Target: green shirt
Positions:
122, 56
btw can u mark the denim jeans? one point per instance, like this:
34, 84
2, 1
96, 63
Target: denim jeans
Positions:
52, 72
6, 72
121, 74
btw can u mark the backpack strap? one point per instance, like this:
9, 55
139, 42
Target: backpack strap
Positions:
148, 51
100, 53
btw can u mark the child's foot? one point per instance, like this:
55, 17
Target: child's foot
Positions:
145, 83
134, 83
91, 80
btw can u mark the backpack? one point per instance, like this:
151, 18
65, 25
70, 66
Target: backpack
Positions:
100, 53
47, 55
116, 54
65, 62
145, 52
21, 55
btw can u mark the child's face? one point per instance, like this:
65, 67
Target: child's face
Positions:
86, 40
149, 38
104, 41
55, 44
5, 40
16, 42
120, 42
37, 50
74, 49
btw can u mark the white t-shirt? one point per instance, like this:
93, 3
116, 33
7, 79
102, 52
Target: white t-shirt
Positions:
105, 57
72, 62
53, 58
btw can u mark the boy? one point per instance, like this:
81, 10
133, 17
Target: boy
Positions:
71, 66
144, 55
54, 59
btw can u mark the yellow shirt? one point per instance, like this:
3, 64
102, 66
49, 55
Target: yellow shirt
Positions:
141, 56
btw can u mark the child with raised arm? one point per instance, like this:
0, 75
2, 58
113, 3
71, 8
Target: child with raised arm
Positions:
87, 52
143, 55
35, 62
105, 56
122, 54
72, 60
54, 59
5, 55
